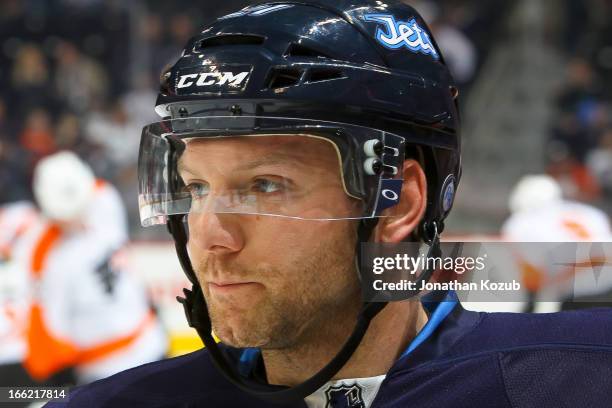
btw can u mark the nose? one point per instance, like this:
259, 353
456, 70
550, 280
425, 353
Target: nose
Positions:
215, 233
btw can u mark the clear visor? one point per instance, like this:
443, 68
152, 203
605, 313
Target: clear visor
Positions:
282, 167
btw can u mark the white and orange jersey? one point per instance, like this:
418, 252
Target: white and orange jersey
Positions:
105, 219
82, 311
15, 221
564, 221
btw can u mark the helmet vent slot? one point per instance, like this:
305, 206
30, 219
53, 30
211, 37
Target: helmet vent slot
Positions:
324, 74
284, 77
224, 40
299, 50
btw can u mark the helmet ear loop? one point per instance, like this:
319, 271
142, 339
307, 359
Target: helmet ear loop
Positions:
177, 229
431, 236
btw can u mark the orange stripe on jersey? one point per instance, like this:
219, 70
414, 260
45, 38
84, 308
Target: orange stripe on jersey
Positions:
43, 247
5, 252
577, 229
46, 353
578, 267
100, 184
533, 278
105, 349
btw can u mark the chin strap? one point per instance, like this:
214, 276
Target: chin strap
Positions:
431, 236
197, 316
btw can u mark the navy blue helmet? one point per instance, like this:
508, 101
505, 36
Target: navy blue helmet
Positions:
368, 63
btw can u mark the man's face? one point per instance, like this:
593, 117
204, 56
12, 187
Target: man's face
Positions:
269, 281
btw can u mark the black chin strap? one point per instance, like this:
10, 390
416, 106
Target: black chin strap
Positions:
197, 316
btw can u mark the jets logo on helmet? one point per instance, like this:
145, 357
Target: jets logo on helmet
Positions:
448, 193
400, 34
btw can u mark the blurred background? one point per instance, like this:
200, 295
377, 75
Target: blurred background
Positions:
535, 79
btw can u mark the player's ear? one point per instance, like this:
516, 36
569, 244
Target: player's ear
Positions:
410, 210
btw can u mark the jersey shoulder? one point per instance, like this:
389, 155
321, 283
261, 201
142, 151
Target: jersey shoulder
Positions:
467, 335
587, 328
506, 360
564, 353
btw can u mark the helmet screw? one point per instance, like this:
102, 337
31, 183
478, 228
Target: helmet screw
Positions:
183, 112
373, 148
372, 166
236, 110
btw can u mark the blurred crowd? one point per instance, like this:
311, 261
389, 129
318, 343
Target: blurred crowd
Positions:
466, 31
579, 145
82, 75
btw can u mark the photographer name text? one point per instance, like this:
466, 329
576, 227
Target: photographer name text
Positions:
483, 285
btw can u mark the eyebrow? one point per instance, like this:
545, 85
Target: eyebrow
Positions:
182, 167
271, 159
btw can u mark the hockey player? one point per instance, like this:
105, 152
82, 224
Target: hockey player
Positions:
293, 132
541, 214
537, 200
70, 306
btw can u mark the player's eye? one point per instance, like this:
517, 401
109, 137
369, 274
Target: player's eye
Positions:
197, 190
262, 185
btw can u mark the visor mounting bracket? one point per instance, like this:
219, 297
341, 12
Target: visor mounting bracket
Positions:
236, 110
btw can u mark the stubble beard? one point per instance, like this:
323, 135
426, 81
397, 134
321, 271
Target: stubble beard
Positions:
299, 302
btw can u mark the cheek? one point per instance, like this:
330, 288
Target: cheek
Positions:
196, 243
271, 242
287, 244
275, 234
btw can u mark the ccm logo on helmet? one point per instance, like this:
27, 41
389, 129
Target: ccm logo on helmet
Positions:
225, 79
398, 34
212, 78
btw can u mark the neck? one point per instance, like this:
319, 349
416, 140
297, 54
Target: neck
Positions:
388, 336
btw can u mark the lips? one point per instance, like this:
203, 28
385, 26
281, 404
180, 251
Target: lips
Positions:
228, 282
231, 286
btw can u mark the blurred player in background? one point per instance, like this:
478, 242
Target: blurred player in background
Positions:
67, 311
541, 214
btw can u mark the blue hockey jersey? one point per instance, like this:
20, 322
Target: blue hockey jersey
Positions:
460, 359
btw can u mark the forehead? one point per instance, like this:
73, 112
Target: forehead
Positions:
296, 148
